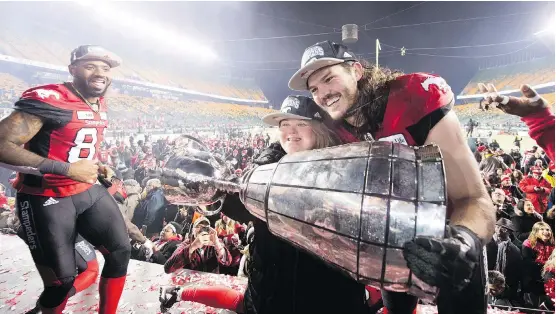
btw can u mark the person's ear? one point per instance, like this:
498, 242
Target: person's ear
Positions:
71, 69
358, 70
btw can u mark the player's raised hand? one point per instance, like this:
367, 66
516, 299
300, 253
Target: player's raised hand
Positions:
84, 170
530, 102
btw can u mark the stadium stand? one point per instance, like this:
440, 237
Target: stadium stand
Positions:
15, 43
154, 113
534, 72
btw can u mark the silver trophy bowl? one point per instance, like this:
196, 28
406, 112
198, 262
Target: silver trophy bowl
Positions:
189, 169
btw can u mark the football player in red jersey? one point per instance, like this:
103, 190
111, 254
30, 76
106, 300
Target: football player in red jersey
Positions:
375, 103
56, 130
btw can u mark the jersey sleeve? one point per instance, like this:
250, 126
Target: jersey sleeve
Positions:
36, 102
431, 98
541, 129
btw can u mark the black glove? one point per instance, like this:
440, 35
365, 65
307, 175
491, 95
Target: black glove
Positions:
445, 263
168, 296
270, 155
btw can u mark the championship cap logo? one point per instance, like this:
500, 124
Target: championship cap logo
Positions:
289, 103
311, 53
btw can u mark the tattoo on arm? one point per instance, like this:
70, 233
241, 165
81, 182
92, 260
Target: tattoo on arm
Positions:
15, 130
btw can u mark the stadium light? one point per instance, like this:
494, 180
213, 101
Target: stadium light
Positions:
550, 29
153, 32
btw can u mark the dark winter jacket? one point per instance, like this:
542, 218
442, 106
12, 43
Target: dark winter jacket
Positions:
150, 211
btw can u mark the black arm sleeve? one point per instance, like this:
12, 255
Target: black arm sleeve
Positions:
51, 115
420, 130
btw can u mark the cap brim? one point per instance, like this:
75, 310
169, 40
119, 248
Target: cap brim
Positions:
299, 80
111, 62
275, 118
507, 227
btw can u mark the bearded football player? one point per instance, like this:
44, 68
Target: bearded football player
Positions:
371, 103
53, 137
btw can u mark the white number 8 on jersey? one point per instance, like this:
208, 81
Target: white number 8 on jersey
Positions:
85, 141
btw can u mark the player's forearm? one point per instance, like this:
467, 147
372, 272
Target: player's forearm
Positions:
15, 155
22, 169
476, 214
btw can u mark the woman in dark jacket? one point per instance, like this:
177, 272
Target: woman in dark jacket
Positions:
283, 278
524, 219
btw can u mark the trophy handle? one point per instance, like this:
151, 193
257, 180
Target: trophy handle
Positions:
201, 144
207, 212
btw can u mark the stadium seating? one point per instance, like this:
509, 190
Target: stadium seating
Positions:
192, 113
492, 117
10, 87
126, 110
510, 77
21, 44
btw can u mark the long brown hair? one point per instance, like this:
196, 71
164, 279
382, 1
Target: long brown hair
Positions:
372, 96
518, 178
325, 137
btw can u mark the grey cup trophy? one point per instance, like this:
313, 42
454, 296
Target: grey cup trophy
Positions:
353, 206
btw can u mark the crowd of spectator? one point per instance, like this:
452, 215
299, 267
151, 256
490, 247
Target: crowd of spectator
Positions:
520, 256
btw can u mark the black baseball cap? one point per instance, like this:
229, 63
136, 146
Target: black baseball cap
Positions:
92, 52
295, 107
316, 57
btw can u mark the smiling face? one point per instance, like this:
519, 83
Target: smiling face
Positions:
334, 88
91, 78
528, 207
296, 135
544, 233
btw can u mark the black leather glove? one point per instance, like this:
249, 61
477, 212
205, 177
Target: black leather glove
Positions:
448, 263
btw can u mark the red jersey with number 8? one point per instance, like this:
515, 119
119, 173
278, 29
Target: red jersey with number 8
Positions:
72, 131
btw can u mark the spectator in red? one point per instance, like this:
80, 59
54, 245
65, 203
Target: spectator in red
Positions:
513, 194
536, 189
202, 251
548, 277
3, 198
103, 155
